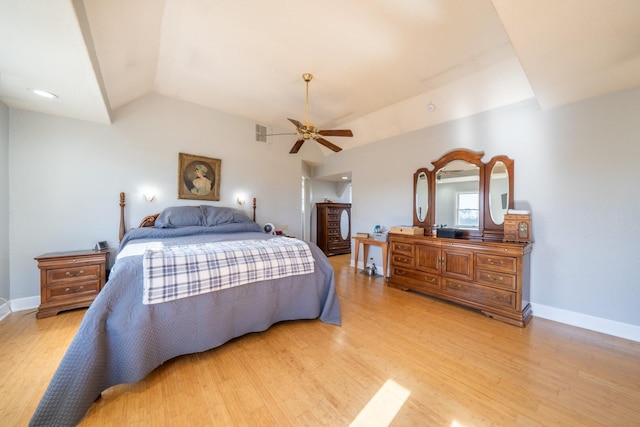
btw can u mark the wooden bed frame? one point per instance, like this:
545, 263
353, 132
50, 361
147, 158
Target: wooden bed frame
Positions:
150, 220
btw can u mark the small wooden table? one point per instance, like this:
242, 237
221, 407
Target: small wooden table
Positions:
70, 279
365, 253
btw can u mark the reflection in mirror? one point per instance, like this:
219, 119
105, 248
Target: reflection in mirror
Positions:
422, 193
344, 224
498, 192
457, 195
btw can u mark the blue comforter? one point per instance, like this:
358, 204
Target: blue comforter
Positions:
120, 340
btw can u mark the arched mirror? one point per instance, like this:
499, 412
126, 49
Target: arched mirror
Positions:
422, 196
344, 224
465, 193
499, 195
458, 195
458, 192
498, 192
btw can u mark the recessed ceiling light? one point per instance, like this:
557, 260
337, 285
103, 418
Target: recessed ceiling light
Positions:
44, 93
430, 107
345, 177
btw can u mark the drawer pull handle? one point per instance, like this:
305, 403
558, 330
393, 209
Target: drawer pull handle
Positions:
494, 262
495, 279
79, 273
72, 290
402, 248
399, 272
402, 259
430, 279
453, 285
501, 297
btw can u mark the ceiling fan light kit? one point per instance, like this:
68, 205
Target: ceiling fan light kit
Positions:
308, 131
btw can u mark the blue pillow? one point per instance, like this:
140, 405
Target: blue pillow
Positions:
216, 215
180, 216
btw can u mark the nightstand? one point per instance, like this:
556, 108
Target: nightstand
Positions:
70, 280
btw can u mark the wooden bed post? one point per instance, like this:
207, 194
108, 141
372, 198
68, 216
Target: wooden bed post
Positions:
121, 217
254, 209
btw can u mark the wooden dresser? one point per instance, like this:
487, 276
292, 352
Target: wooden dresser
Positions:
70, 280
490, 276
334, 228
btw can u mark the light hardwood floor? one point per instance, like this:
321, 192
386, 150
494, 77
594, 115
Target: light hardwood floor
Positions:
458, 368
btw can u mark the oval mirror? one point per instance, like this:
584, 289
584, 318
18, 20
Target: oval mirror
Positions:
458, 195
344, 225
422, 193
498, 192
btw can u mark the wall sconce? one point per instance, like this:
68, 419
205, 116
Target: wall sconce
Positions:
240, 199
149, 197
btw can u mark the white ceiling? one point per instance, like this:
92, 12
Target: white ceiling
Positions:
377, 64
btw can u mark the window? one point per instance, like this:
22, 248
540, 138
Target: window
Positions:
468, 213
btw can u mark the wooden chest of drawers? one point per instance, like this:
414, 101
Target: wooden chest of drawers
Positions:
492, 277
334, 228
70, 280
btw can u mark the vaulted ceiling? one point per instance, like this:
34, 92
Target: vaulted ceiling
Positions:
381, 67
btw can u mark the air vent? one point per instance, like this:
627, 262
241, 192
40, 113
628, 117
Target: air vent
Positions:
261, 133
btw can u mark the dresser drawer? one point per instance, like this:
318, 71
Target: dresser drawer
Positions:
496, 262
73, 291
481, 295
402, 248
417, 280
73, 273
402, 260
496, 279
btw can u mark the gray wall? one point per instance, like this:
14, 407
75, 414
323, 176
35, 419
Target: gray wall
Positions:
4, 202
576, 168
67, 175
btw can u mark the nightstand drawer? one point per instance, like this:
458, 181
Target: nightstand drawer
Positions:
72, 291
80, 272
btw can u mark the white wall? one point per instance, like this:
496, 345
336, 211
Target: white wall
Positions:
576, 168
4, 203
66, 175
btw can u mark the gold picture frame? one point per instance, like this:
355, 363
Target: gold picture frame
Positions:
198, 177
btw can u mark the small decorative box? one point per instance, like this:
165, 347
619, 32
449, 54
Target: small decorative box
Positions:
414, 231
517, 226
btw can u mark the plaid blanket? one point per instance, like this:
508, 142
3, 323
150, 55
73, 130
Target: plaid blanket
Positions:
173, 272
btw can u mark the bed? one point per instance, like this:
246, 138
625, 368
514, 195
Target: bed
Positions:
126, 333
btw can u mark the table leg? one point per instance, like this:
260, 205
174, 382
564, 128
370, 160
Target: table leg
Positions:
385, 254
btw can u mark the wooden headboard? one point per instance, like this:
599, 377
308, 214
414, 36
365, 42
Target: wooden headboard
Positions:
150, 220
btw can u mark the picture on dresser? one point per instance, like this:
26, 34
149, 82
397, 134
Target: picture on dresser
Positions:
198, 177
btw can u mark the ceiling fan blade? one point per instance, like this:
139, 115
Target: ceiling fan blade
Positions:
296, 123
296, 146
336, 132
328, 144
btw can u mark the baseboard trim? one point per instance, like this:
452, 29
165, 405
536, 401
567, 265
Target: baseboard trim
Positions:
585, 321
4, 310
22, 304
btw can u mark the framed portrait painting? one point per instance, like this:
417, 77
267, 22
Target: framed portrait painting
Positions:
198, 177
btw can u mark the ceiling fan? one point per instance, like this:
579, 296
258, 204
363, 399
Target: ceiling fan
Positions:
308, 131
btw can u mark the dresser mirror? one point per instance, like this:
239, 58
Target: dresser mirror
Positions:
422, 195
457, 195
498, 192
344, 224
465, 193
